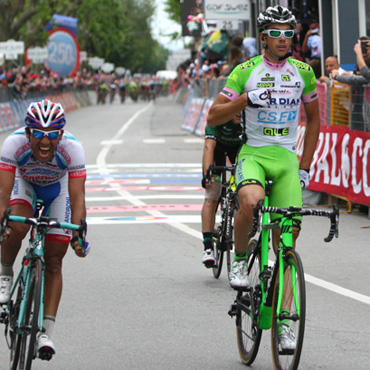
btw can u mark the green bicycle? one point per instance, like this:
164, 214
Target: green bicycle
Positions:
276, 297
23, 315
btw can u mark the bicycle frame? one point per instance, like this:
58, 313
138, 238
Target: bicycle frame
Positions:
16, 313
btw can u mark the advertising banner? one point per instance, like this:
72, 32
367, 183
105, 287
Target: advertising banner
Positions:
341, 163
227, 10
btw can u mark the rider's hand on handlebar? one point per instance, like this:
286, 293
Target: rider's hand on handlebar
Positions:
77, 247
304, 176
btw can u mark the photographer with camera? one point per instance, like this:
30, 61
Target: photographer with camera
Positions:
362, 50
312, 41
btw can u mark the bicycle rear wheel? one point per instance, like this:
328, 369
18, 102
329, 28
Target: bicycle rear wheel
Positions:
218, 253
31, 318
248, 332
293, 313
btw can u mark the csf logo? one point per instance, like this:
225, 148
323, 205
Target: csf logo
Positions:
285, 78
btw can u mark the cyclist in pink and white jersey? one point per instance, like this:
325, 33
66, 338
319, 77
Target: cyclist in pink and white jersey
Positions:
42, 161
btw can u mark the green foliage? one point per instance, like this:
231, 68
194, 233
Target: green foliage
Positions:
117, 30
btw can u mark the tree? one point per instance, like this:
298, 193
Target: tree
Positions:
117, 30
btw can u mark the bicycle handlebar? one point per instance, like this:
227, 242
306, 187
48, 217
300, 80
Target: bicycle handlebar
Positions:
44, 222
296, 211
213, 168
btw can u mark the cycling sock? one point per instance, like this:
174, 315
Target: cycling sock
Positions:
240, 256
49, 322
207, 240
6, 269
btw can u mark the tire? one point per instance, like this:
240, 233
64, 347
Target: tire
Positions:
14, 337
31, 318
248, 332
285, 360
218, 243
218, 253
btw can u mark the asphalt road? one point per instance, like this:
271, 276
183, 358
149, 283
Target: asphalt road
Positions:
143, 300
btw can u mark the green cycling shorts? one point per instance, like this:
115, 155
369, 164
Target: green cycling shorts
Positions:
256, 165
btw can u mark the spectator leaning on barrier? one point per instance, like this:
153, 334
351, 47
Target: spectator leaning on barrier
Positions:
332, 63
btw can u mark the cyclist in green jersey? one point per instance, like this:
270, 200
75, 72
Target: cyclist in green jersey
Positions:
269, 88
220, 142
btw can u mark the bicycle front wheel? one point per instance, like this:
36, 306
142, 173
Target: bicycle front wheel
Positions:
248, 332
31, 318
287, 330
14, 339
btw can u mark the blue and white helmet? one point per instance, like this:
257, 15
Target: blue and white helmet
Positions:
276, 14
45, 114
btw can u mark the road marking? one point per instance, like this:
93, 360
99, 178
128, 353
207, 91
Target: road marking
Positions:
178, 222
150, 207
111, 142
194, 141
154, 141
166, 196
171, 220
129, 197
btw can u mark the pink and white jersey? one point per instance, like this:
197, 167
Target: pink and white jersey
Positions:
69, 158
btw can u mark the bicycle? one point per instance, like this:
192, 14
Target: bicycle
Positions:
276, 295
228, 203
23, 314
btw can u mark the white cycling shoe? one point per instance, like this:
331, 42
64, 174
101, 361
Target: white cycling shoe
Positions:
6, 283
238, 277
45, 347
208, 258
286, 339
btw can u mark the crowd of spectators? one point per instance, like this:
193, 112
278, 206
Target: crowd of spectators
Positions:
20, 83
210, 65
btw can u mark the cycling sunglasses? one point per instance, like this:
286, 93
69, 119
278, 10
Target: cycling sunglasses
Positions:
275, 34
39, 134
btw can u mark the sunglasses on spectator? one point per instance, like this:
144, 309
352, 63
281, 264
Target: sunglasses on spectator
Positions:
39, 134
275, 34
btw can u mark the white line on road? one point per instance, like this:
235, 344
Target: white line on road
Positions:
103, 169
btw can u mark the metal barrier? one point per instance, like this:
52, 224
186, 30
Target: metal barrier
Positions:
340, 166
339, 104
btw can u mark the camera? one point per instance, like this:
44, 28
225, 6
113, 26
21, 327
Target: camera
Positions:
364, 46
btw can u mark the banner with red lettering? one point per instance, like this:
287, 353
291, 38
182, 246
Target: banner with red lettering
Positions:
341, 163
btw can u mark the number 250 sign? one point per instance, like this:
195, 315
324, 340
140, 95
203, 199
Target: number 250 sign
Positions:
64, 52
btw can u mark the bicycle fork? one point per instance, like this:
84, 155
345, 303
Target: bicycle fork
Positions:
287, 282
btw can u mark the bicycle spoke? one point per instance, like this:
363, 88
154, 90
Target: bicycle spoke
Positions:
290, 322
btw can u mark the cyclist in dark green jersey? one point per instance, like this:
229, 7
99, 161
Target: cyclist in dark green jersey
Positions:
220, 142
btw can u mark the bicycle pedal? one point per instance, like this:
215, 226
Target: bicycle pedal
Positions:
209, 264
46, 353
233, 310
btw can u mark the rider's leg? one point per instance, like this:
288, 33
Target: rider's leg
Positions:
9, 250
249, 195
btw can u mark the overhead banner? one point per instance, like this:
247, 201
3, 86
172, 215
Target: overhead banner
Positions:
227, 10
341, 163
